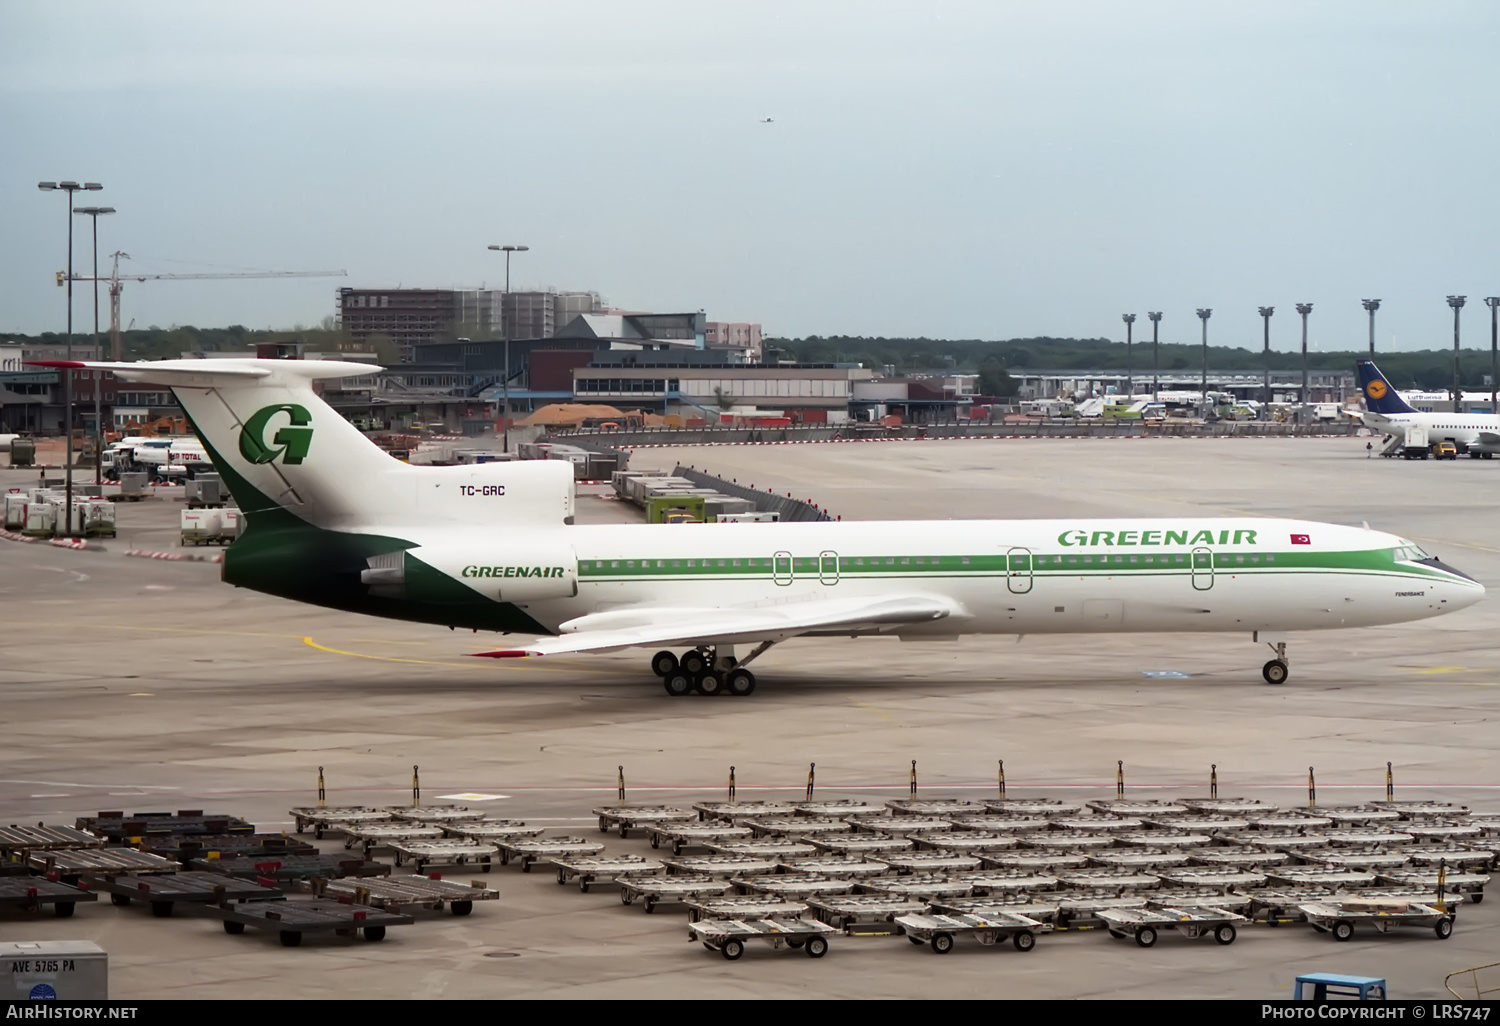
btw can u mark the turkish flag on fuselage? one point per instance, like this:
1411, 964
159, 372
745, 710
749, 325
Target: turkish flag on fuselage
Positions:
1301, 539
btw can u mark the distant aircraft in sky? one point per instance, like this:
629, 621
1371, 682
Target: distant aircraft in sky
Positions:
766, 121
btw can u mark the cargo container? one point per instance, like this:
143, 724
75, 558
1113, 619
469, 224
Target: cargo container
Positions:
61, 970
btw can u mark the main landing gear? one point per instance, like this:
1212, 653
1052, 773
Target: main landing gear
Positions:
1276, 671
707, 670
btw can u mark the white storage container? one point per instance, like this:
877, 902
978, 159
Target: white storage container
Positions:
15, 511
62, 970
41, 519
231, 523
200, 525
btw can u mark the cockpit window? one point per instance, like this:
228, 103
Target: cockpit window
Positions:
1409, 552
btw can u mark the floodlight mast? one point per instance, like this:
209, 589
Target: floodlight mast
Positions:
505, 330
1371, 305
1129, 320
1265, 316
1155, 316
1304, 309
1457, 302
1204, 313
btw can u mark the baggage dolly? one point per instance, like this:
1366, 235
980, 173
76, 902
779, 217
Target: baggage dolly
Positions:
939, 931
1033, 807
1041, 911
1290, 821
836, 807
1193, 898
1051, 862
999, 824
292, 919
792, 886
1140, 858
605, 869
447, 852
435, 815
907, 863
371, 837
1366, 837
859, 844
399, 893
1098, 824
903, 826
1470, 885
1197, 823
743, 908
835, 867
865, 914
1340, 917
527, 851
1216, 880
1197, 921
492, 830
1112, 881
728, 936
734, 812
1163, 839
625, 819
1356, 858
902, 807
16, 841
1428, 855
30, 893
765, 849
1228, 806
294, 867
1359, 815
1065, 840
1082, 911
1328, 879
666, 890
795, 827
1238, 857
964, 842
324, 820
722, 866
164, 891
681, 836
68, 865
1136, 808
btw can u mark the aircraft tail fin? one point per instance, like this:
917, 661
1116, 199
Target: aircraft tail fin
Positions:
1380, 395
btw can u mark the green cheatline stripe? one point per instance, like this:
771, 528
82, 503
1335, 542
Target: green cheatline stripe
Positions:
1047, 565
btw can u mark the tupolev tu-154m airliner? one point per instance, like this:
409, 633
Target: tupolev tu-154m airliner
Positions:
334, 521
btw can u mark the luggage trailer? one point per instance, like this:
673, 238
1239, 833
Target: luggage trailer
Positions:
325, 820
291, 919
668, 890
729, 936
1278, 905
681, 836
162, 892
372, 837
402, 893
625, 819
448, 852
755, 907
865, 915
30, 893
1193, 922
940, 931
1339, 917
527, 851
605, 869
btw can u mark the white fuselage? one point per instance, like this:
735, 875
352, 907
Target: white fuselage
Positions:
1476, 431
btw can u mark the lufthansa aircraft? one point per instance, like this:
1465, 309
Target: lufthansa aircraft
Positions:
333, 520
1478, 434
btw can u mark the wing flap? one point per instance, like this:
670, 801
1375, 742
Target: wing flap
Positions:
645, 625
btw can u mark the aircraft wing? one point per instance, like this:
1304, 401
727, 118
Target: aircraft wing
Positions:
1489, 438
661, 625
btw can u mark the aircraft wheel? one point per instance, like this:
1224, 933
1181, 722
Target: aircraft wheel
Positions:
740, 682
663, 664
678, 684
1275, 672
692, 663
710, 684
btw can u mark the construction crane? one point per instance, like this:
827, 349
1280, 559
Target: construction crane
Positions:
117, 285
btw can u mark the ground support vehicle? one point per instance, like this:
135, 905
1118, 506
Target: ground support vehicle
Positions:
292, 919
447, 852
163, 891
604, 869
940, 931
722, 866
729, 936
754, 907
734, 812
293, 867
332, 819
400, 893
527, 851
1192, 922
372, 836
1470, 885
1339, 917
864, 914
665, 890
679, 837
836, 867
625, 819
493, 830
30, 893
793, 886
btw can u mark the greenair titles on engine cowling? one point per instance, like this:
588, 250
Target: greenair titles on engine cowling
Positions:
511, 571
1185, 537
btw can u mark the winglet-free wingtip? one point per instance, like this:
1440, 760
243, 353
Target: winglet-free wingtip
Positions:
504, 653
72, 364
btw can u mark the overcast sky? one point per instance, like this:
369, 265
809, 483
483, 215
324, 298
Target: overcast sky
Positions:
988, 169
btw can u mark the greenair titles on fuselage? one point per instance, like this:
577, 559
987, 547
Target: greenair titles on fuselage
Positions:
1238, 536
512, 571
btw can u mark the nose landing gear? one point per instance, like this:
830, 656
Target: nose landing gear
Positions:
1276, 671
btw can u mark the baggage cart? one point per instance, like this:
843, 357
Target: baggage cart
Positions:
1192, 897
1136, 808
1021, 904
331, 819
1144, 924
1238, 856
1311, 876
1422, 810
1430, 833
902, 825
492, 830
1290, 820
1163, 839
69, 865
666, 890
1095, 826
860, 844
449, 852
1033, 807
1034, 861
30, 893
185, 849
961, 842
1366, 837
293, 867
292, 919
1216, 881
681, 836
733, 812
435, 815
15, 840
1066, 840
864, 914
998, 824
729, 936
1080, 911
162, 892
1109, 881
372, 837
835, 867
1139, 858
605, 869
1359, 815
1277, 840
769, 848
923, 888
722, 866
1470, 885
1198, 823
743, 908
527, 850
625, 818
797, 826
1339, 917
940, 807
122, 829
940, 931
792, 886
835, 807
403, 893
1356, 858
904, 863
1227, 806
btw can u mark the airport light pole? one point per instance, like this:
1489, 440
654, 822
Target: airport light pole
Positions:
1304, 309
505, 330
70, 187
1204, 313
1129, 320
1457, 302
1371, 305
1155, 316
1494, 304
93, 213
1265, 316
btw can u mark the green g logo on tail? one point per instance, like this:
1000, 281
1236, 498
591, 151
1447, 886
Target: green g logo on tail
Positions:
290, 442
